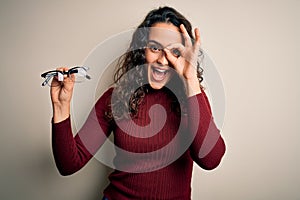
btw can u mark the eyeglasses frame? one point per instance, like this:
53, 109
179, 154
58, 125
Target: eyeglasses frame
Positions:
48, 75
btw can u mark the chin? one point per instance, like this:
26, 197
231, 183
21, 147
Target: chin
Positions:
156, 86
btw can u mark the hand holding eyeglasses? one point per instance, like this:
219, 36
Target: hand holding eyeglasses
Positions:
61, 82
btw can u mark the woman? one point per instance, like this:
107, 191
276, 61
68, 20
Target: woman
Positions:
157, 111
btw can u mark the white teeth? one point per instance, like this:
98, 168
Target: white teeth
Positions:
161, 70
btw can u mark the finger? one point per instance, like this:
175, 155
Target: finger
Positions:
197, 36
61, 76
171, 57
177, 49
54, 78
175, 45
67, 81
186, 36
197, 40
54, 82
62, 69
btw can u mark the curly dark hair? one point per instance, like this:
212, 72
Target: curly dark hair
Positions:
132, 87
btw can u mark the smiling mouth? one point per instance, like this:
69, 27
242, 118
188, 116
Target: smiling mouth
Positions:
158, 74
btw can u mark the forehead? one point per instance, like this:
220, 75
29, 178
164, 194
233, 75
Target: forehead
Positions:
165, 34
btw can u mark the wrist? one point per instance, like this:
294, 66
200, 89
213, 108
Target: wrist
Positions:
193, 86
60, 112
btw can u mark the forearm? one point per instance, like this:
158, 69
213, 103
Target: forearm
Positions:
69, 153
208, 146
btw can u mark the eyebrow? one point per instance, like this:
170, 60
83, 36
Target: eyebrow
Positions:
156, 43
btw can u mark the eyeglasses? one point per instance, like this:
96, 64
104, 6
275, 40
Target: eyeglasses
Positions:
75, 74
158, 49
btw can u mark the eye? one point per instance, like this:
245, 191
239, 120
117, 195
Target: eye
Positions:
176, 52
154, 48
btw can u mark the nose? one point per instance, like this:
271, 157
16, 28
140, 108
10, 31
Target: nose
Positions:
162, 59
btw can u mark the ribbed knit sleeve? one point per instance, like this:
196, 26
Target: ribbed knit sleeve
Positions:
69, 153
72, 153
208, 146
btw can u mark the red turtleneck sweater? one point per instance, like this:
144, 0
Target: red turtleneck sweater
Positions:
154, 151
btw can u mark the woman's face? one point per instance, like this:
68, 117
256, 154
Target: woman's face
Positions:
159, 68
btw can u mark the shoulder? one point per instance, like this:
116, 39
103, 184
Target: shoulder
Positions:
105, 98
108, 92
